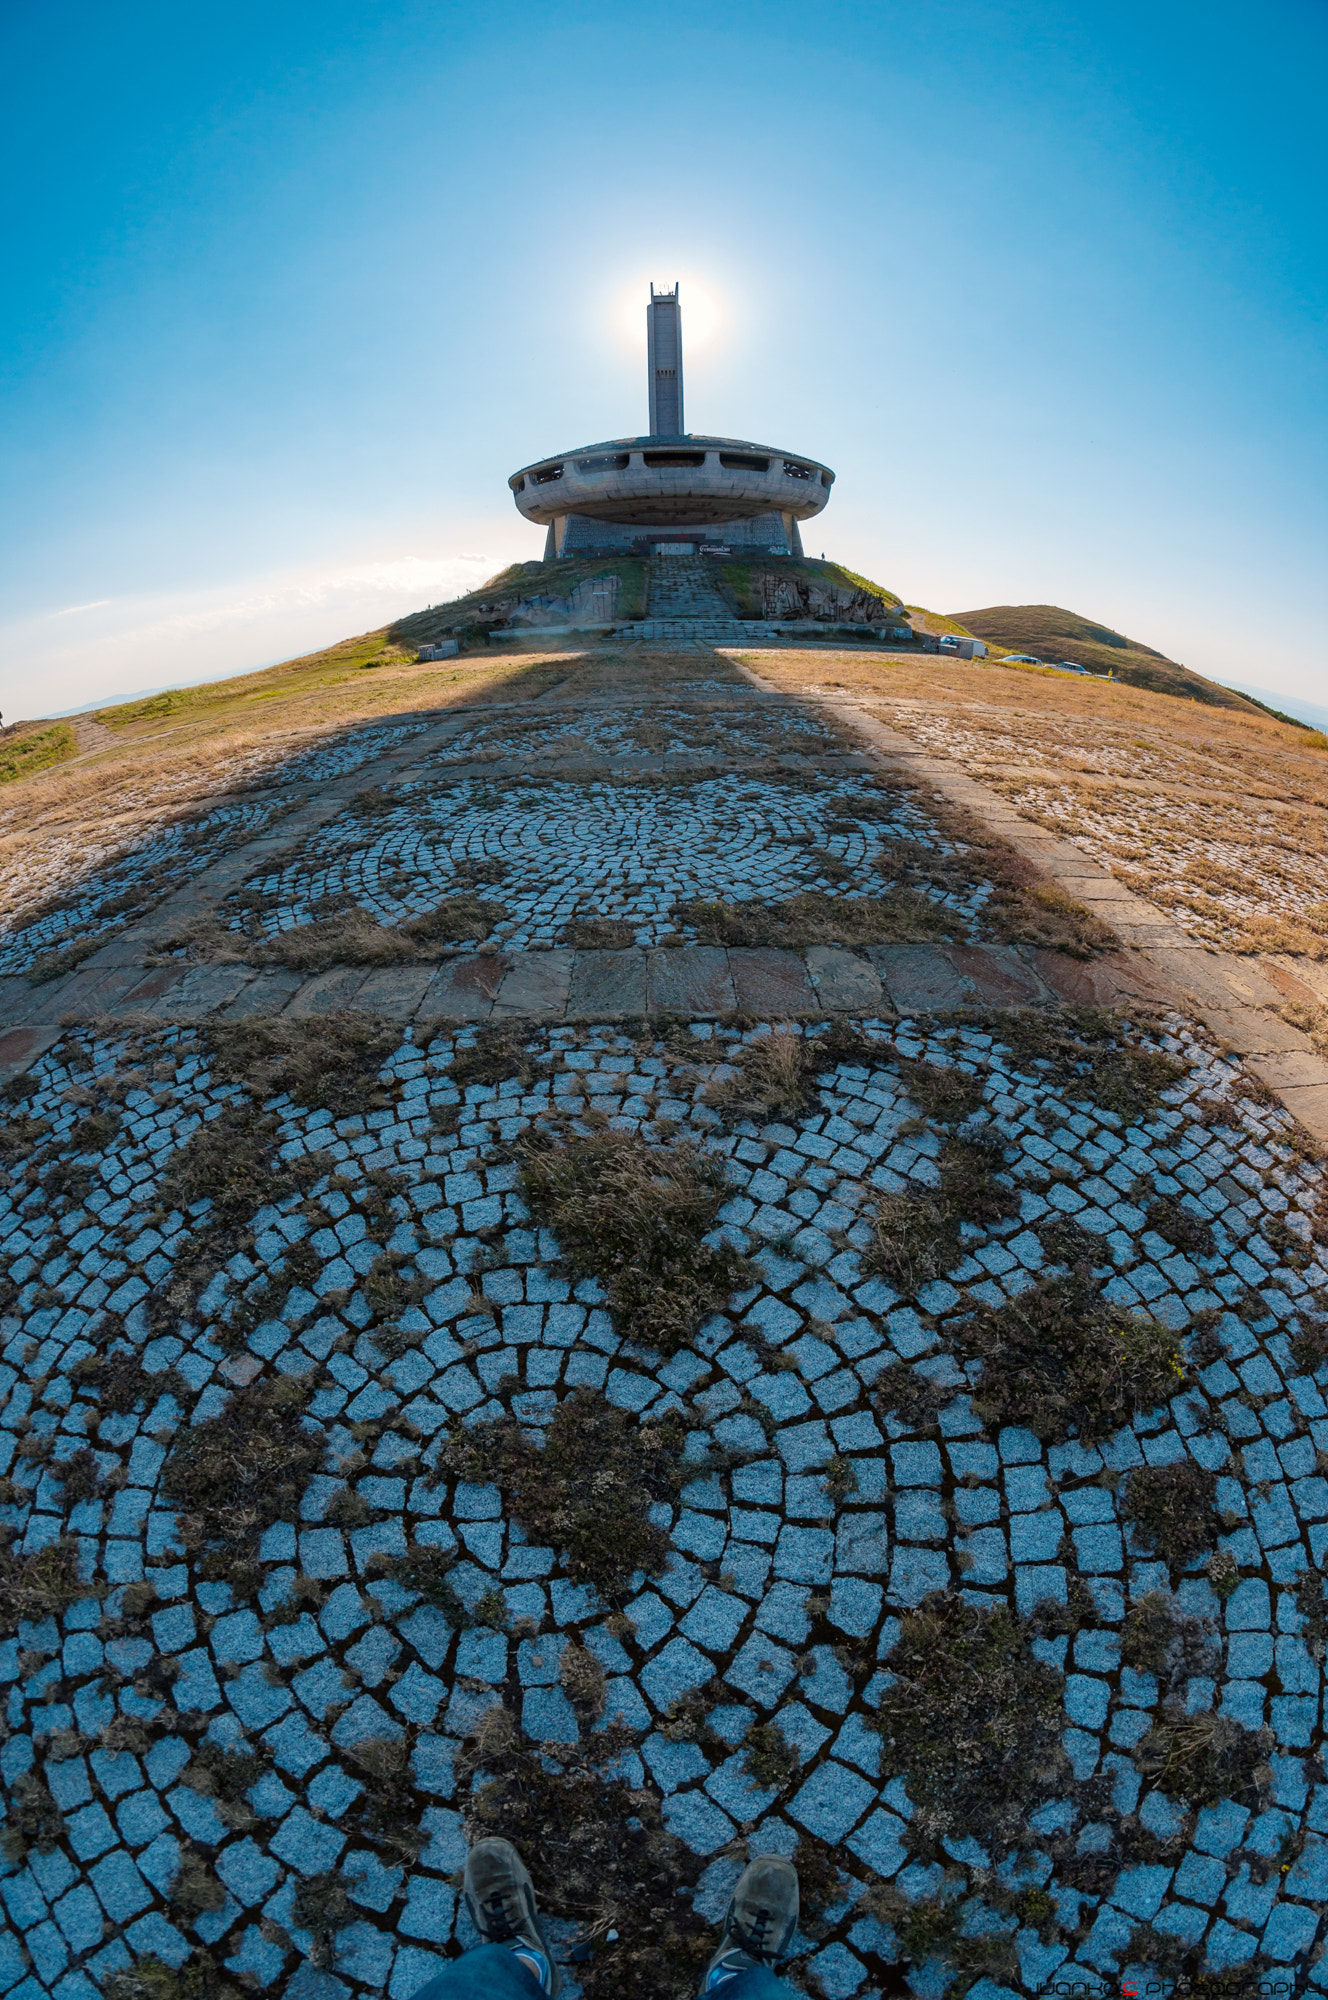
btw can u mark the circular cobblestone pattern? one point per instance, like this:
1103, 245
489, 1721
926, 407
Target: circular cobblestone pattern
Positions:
978, 1561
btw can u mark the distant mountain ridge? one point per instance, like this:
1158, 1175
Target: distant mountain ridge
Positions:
1052, 633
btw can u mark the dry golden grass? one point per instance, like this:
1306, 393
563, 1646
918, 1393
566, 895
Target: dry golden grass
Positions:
172, 754
1218, 817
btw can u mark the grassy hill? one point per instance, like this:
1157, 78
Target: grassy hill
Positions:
1051, 633
471, 616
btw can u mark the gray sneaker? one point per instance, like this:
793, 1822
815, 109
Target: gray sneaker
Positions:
501, 1899
761, 1920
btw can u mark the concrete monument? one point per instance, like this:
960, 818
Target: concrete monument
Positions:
670, 486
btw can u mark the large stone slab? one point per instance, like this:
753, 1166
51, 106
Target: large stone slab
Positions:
844, 983
139, 992
20, 1048
920, 978
769, 982
607, 985
395, 991
1000, 978
203, 990
464, 989
1098, 982
269, 993
692, 979
328, 992
535, 986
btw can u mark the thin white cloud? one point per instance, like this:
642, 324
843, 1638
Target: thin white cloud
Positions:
175, 638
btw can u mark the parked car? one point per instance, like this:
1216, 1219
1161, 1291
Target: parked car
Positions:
1022, 660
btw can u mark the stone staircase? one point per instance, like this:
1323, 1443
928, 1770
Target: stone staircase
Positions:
683, 587
684, 603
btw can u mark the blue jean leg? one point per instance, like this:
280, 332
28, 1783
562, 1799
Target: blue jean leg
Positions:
494, 1972
758, 1983
489, 1972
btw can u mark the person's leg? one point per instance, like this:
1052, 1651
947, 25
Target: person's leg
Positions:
754, 1982
489, 1972
514, 1962
757, 1932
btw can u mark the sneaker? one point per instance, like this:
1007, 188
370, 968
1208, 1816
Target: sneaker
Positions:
501, 1899
761, 1920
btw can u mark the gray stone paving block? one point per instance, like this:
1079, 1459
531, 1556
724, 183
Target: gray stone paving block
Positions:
204, 990
693, 979
268, 993
395, 991
327, 992
464, 988
536, 986
920, 977
768, 982
607, 984
844, 982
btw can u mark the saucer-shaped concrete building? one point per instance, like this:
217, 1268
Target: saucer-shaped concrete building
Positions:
671, 489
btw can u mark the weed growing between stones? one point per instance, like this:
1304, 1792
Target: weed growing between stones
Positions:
973, 1722
1087, 1053
1202, 1758
588, 1490
332, 1061
901, 917
1158, 1639
1173, 1508
226, 1774
385, 1811
1063, 1362
36, 1585
776, 1073
597, 934
916, 1234
774, 1078
339, 932
1180, 1226
234, 1164
599, 1852
930, 1928
150, 1978
120, 1382
497, 1055
584, 1681
33, 1823
322, 1907
636, 1217
771, 1759
234, 1475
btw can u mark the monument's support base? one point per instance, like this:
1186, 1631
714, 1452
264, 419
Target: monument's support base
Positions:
760, 534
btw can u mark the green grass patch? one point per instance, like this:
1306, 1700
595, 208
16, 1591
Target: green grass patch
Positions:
24, 756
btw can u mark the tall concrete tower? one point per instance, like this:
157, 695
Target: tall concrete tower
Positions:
664, 360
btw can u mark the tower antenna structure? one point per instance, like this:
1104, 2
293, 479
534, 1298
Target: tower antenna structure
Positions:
664, 362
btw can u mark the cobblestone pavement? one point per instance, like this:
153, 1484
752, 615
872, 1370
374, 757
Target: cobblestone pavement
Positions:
561, 851
1022, 1308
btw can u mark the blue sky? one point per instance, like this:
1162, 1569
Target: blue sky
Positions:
292, 289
